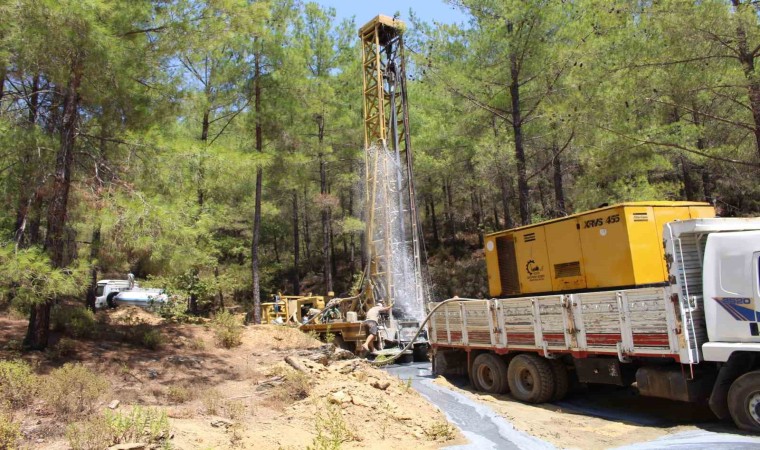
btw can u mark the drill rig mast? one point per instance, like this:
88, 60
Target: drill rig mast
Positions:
392, 236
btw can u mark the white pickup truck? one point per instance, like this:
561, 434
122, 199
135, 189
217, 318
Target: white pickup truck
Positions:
111, 293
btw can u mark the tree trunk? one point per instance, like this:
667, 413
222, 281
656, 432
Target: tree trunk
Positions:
39, 319
508, 222
257, 201
352, 246
34, 100
747, 60
306, 234
522, 181
219, 292
3, 72
433, 217
94, 251
707, 185
296, 248
559, 189
689, 186
326, 213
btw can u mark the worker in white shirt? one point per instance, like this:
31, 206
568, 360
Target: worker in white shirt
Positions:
373, 316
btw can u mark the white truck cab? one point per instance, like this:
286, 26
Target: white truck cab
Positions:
108, 289
731, 286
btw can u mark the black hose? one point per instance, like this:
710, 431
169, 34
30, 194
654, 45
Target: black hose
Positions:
422, 325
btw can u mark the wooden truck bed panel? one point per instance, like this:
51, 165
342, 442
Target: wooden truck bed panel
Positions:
636, 322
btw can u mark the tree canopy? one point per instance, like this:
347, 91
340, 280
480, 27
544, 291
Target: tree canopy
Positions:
215, 147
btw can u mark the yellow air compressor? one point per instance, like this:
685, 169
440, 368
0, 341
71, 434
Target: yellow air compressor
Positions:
612, 247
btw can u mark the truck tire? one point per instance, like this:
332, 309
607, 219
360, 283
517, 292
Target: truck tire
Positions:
110, 299
561, 379
531, 378
744, 401
420, 353
490, 371
473, 379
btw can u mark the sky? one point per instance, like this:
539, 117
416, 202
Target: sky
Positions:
366, 10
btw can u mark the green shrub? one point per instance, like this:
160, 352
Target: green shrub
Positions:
228, 329
440, 431
18, 384
74, 390
77, 321
152, 339
93, 434
139, 424
332, 430
10, 433
101, 431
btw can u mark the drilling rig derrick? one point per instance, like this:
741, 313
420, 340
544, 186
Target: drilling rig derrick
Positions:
392, 233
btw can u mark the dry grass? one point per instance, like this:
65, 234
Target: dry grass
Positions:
296, 386
18, 384
234, 409
10, 432
212, 401
280, 337
440, 431
198, 344
74, 390
180, 394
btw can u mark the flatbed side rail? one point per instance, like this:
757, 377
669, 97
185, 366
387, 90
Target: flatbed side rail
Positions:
626, 323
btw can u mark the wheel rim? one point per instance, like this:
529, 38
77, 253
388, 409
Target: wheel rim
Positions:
753, 405
485, 377
525, 380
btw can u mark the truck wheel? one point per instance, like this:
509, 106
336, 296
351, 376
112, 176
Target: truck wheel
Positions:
531, 378
744, 401
490, 371
561, 379
110, 300
406, 358
420, 353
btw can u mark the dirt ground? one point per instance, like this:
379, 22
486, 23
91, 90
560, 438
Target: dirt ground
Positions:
243, 397
571, 428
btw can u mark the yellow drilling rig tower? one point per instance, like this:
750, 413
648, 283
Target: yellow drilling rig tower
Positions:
394, 273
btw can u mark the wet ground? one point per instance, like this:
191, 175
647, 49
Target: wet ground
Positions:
486, 429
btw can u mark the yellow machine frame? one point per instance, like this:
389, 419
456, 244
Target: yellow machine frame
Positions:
287, 308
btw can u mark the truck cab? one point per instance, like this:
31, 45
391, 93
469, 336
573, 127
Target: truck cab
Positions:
106, 290
732, 289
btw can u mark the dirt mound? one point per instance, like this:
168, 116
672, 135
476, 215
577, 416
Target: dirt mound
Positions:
132, 315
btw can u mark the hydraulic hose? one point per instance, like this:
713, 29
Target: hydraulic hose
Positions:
419, 330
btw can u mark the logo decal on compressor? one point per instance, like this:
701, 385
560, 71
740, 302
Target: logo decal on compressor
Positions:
740, 308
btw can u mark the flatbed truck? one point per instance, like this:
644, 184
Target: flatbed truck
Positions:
621, 295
